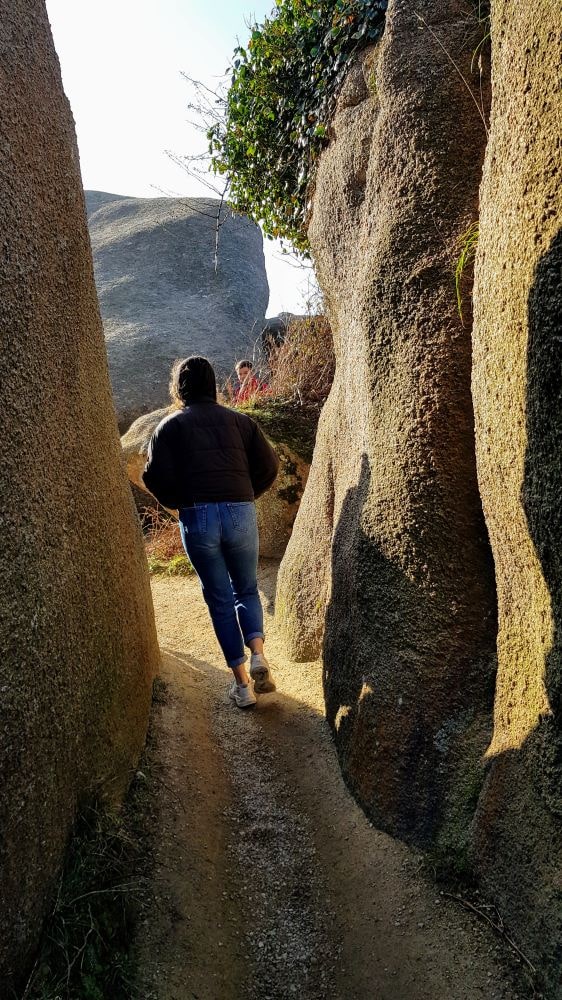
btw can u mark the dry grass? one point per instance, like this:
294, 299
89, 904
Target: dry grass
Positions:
295, 384
162, 543
86, 948
302, 366
299, 370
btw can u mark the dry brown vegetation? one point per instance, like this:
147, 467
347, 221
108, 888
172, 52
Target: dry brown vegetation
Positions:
298, 370
295, 384
163, 545
302, 365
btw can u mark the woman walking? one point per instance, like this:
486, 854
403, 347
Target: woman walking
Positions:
211, 462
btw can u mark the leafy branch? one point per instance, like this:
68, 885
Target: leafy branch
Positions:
267, 135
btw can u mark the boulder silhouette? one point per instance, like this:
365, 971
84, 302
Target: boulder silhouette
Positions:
78, 639
161, 296
517, 845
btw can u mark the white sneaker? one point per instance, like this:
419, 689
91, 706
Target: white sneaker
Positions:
242, 694
261, 674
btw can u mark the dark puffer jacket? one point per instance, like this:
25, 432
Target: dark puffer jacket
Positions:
207, 453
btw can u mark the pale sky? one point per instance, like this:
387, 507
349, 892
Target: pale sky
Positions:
121, 64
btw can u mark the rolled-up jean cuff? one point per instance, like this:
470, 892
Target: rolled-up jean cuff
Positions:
254, 635
237, 663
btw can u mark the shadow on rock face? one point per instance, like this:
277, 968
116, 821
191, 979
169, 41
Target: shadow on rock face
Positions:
542, 489
410, 732
517, 829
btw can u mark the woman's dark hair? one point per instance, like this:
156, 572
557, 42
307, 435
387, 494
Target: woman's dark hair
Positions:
192, 379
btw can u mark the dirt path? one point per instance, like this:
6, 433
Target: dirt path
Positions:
270, 881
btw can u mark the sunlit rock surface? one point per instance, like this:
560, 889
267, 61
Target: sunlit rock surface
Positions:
517, 390
389, 564
163, 295
77, 635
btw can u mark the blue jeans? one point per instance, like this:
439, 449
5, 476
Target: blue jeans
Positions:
221, 540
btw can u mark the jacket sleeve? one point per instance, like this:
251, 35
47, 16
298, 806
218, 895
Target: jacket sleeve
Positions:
159, 472
263, 462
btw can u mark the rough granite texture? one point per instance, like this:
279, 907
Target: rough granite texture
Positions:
160, 297
276, 510
77, 640
517, 391
389, 557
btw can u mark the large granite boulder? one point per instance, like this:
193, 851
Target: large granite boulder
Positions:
161, 295
389, 560
135, 446
78, 642
517, 389
276, 509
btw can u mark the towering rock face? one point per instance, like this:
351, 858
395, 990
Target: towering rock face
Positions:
518, 409
161, 297
389, 557
77, 638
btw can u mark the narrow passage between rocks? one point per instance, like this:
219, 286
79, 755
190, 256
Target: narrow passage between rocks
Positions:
270, 882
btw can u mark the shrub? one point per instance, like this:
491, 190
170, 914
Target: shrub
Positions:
86, 949
301, 370
280, 102
302, 365
163, 546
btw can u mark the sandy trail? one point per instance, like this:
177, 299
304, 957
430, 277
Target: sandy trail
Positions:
270, 882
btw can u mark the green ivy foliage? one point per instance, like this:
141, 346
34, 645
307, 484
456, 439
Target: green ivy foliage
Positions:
279, 105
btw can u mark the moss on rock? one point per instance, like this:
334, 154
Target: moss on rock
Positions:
289, 424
